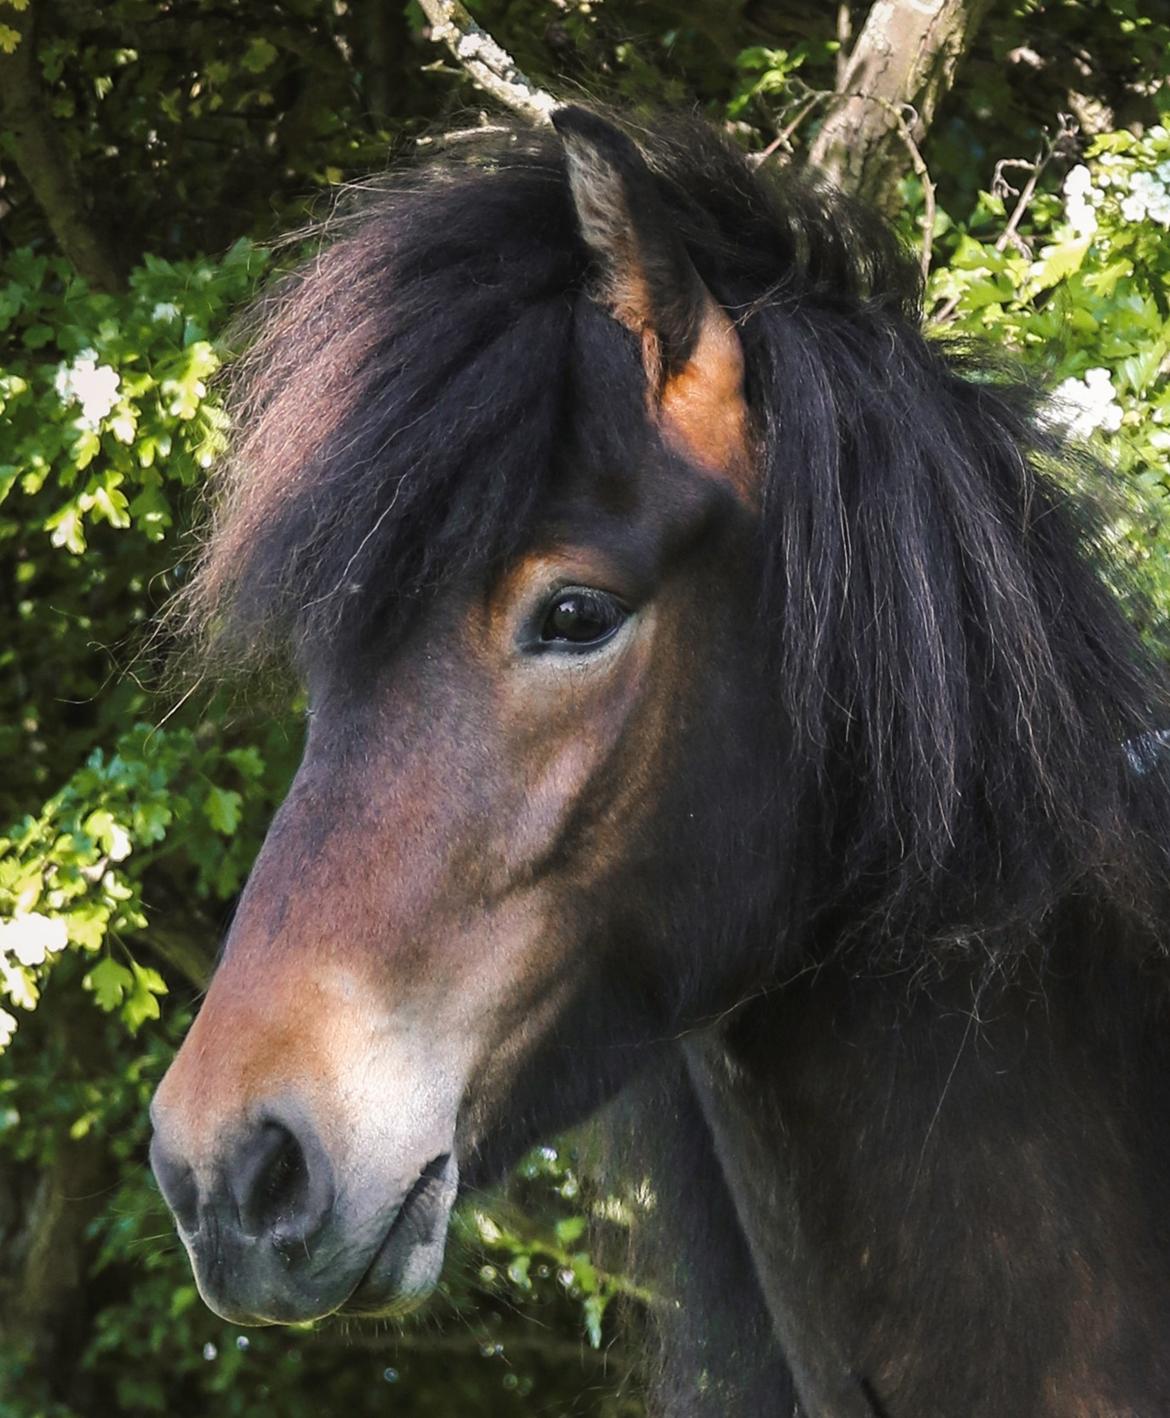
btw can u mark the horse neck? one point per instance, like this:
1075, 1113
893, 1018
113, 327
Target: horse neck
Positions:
717, 1355
955, 1196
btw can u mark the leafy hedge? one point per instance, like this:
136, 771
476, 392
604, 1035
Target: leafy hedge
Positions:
110, 419
130, 817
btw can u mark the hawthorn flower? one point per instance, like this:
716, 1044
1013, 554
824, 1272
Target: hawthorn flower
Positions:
1148, 198
1079, 200
1086, 405
94, 386
32, 938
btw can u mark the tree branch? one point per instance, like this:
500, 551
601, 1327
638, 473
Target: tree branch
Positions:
929, 206
46, 165
488, 63
905, 57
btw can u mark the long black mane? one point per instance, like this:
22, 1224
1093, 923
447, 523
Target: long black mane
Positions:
955, 681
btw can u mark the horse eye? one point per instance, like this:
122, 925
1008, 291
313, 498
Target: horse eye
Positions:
581, 617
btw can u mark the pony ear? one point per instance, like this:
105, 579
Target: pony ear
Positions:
690, 350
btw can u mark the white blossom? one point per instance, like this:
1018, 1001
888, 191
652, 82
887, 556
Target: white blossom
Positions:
32, 938
7, 1027
164, 311
1086, 405
94, 386
1148, 198
1079, 194
120, 844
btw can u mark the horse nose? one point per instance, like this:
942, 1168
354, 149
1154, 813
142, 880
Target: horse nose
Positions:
274, 1181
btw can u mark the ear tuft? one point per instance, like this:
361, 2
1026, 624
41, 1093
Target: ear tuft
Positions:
645, 275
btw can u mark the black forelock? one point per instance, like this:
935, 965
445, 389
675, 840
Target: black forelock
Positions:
404, 400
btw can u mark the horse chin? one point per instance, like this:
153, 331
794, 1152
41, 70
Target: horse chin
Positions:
406, 1266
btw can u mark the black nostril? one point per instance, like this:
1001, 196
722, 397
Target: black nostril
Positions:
282, 1184
268, 1174
176, 1181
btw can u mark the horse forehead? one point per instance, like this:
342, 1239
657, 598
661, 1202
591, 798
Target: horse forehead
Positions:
628, 519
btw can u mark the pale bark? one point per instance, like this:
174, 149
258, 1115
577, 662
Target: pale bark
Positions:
488, 63
901, 66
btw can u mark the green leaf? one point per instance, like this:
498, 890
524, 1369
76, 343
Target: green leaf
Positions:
1057, 263
221, 807
570, 1229
247, 762
151, 821
585, 1272
1103, 279
109, 833
86, 447
111, 505
1139, 370
82, 1126
109, 982
66, 529
141, 1003
18, 983
259, 55
87, 925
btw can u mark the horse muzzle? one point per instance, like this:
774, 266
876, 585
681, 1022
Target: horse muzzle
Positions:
277, 1233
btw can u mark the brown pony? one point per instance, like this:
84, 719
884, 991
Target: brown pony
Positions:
718, 705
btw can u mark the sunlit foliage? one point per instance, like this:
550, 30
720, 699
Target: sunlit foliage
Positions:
133, 799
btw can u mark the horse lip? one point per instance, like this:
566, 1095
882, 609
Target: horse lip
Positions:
423, 1211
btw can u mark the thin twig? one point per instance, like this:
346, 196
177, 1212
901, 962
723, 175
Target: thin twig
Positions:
1053, 147
1010, 233
488, 63
922, 172
783, 139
